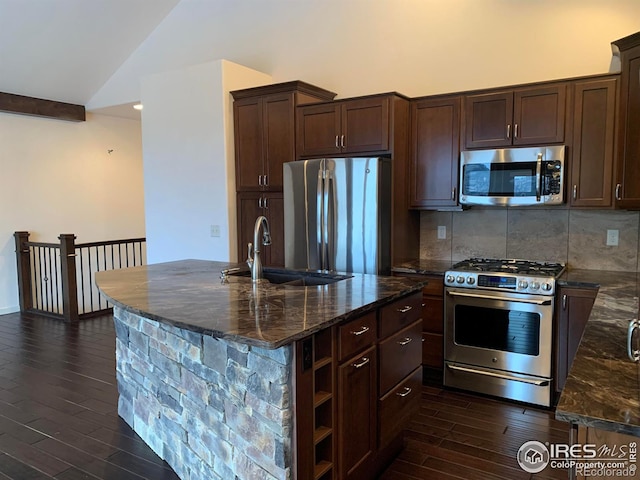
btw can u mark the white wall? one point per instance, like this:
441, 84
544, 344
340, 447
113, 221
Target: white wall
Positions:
358, 47
58, 177
189, 177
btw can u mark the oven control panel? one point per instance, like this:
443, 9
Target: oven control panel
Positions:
499, 281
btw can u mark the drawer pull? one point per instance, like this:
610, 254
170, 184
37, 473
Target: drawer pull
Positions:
405, 309
364, 361
405, 341
405, 391
362, 330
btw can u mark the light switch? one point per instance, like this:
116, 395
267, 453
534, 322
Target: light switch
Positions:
215, 230
612, 238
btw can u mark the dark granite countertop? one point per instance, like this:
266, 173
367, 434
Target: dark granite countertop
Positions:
423, 267
603, 387
189, 294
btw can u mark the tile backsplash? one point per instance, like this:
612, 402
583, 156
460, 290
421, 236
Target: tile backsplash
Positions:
575, 237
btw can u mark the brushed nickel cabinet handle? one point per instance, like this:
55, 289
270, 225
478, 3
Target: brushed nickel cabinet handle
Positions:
618, 189
634, 355
364, 361
265, 181
337, 144
515, 131
265, 203
260, 202
575, 192
363, 329
453, 194
342, 141
564, 302
405, 309
405, 391
509, 130
405, 341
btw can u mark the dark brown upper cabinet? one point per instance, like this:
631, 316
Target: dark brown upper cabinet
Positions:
528, 116
347, 127
264, 131
627, 170
592, 157
435, 149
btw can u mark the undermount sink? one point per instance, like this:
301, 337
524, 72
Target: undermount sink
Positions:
282, 276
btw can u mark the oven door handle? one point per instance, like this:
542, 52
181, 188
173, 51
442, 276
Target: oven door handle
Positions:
531, 381
491, 297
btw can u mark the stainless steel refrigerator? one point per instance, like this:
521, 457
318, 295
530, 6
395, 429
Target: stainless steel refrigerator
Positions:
337, 214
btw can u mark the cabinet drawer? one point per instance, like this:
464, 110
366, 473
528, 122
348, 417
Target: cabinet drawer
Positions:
356, 335
432, 350
396, 407
400, 313
435, 287
400, 354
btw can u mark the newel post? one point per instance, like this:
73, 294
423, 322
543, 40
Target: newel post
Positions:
68, 274
23, 263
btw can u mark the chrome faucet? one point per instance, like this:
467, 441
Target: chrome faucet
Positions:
253, 254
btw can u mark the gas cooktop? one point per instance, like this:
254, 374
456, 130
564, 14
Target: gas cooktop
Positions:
521, 276
521, 267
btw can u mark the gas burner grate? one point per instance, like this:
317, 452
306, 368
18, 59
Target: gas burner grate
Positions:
516, 266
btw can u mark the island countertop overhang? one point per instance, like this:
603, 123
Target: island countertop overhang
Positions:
189, 294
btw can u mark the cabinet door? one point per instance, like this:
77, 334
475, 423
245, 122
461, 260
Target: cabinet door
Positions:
435, 127
250, 205
573, 310
593, 143
365, 125
357, 419
247, 115
273, 208
279, 137
318, 130
538, 116
628, 167
488, 119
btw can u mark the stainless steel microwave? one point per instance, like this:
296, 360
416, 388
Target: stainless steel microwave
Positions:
513, 176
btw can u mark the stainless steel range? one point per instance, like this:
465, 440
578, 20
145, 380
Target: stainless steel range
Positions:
499, 328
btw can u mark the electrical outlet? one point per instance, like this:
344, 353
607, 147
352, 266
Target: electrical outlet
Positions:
442, 232
215, 230
612, 238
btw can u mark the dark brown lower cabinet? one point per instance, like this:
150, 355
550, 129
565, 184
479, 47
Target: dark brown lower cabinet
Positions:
573, 307
357, 414
356, 385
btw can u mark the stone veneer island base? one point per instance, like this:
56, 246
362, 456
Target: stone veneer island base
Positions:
228, 379
212, 408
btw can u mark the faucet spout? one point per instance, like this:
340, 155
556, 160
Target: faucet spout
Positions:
254, 262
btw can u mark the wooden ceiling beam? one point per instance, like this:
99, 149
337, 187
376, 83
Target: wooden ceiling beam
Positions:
41, 108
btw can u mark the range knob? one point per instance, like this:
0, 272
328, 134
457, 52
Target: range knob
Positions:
460, 279
523, 284
450, 278
535, 285
546, 286
471, 280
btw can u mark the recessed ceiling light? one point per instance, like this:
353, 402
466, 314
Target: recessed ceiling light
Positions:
138, 106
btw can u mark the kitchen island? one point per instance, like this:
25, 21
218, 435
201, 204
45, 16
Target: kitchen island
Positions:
603, 387
209, 370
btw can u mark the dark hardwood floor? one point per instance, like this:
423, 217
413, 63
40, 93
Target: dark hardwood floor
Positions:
58, 416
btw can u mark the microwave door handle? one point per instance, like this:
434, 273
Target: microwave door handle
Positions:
538, 177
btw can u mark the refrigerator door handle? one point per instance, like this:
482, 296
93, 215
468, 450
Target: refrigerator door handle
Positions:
320, 238
330, 235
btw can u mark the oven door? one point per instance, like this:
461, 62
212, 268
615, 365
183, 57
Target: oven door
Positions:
509, 332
